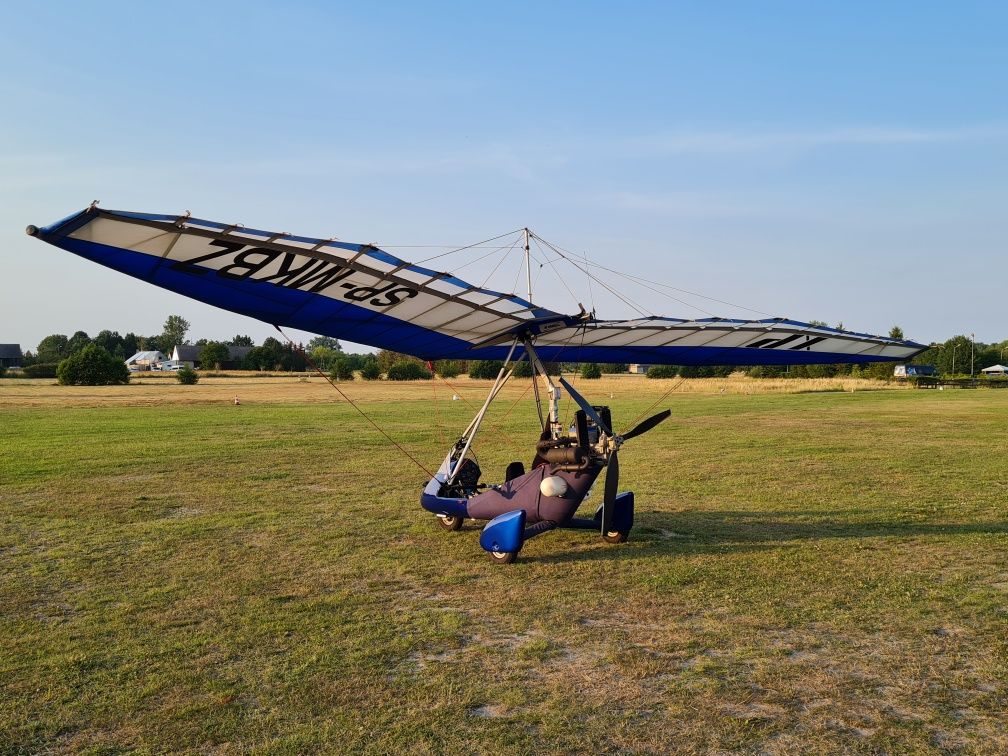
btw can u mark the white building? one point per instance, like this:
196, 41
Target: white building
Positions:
150, 360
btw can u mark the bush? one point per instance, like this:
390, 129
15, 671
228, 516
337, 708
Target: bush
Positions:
591, 370
448, 368
42, 370
484, 369
407, 370
3, 371
342, 370
522, 369
187, 376
92, 366
765, 371
615, 367
663, 371
213, 355
370, 371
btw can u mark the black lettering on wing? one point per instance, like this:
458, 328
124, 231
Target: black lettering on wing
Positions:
249, 262
394, 297
322, 277
287, 273
191, 266
364, 292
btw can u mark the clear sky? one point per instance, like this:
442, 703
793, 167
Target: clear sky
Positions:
841, 162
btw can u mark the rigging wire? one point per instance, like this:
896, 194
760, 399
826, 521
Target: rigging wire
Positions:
350, 401
499, 263
555, 271
642, 311
437, 405
470, 246
494, 251
655, 403
639, 280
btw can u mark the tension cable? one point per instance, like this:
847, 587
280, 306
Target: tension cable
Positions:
350, 401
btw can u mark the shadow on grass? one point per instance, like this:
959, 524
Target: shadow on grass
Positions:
657, 533
742, 526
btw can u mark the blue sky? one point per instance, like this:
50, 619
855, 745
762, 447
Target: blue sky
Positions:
843, 162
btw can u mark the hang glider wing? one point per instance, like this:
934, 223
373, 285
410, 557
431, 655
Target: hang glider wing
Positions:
362, 294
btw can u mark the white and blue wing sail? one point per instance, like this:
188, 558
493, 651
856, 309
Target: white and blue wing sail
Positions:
362, 294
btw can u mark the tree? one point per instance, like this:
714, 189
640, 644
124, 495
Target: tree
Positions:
896, 333
130, 344
448, 368
387, 358
324, 357
521, 369
407, 370
952, 357
77, 342
242, 341
174, 332
112, 343
92, 366
52, 349
187, 376
158, 343
591, 370
663, 371
324, 341
371, 371
273, 355
484, 369
213, 355
342, 370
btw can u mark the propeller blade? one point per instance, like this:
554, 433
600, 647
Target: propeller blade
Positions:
611, 490
647, 425
588, 409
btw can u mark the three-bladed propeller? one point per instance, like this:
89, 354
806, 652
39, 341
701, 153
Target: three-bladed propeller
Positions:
612, 474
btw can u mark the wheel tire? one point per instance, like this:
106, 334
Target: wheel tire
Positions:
614, 536
503, 557
451, 523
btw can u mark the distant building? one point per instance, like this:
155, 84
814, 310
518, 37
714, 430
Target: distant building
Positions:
149, 360
995, 370
189, 355
186, 354
638, 369
10, 355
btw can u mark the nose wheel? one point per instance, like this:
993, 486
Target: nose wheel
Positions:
503, 557
450, 522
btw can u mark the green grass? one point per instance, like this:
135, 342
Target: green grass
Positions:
817, 572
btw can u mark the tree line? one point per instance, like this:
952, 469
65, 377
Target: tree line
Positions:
959, 355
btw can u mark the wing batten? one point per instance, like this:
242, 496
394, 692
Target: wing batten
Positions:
363, 294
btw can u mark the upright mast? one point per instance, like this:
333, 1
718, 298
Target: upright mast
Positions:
528, 267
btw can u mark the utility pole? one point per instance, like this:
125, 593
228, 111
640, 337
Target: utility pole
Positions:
972, 342
528, 266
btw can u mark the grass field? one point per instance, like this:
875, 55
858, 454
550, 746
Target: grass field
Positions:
818, 572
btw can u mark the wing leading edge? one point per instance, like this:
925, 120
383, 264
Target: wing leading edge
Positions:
363, 294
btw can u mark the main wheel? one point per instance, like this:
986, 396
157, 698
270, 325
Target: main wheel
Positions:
614, 536
503, 557
450, 522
